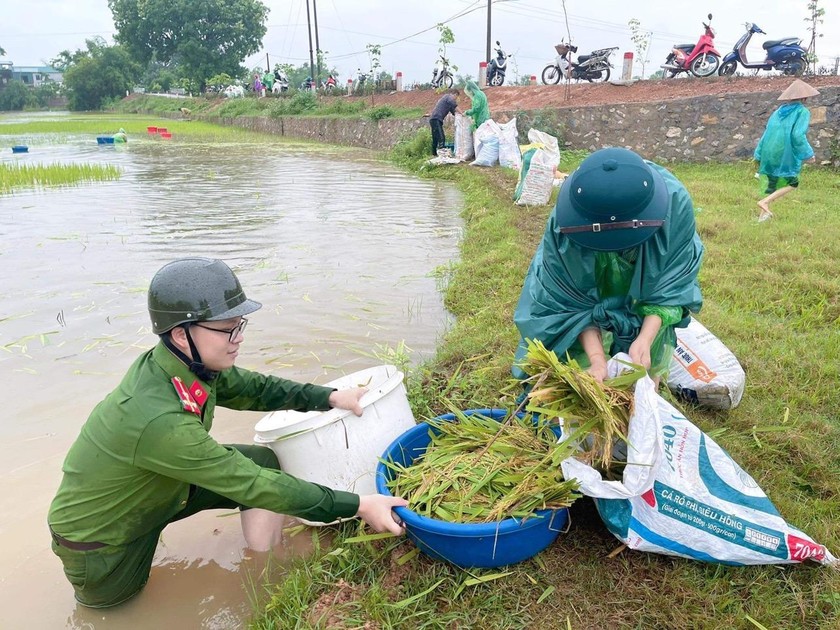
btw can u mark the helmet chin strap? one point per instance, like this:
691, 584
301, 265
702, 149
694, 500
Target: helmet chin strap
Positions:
195, 364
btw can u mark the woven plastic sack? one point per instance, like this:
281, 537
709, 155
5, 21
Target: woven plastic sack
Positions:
682, 495
704, 371
486, 140
509, 154
536, 176
464, 149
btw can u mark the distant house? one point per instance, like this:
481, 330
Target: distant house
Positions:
34, 76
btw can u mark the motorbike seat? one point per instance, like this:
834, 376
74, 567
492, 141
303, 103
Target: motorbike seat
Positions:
685, 46
785, 41
582, 58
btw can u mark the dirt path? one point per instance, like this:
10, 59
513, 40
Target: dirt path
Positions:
506, 99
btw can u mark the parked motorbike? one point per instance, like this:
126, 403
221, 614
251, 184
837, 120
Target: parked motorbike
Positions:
281, 82
592, 67
700, 59
786, 54
497, 66
441, 76
359, 80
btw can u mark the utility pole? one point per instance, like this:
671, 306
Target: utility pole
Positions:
309, 32
487, 55
317, 46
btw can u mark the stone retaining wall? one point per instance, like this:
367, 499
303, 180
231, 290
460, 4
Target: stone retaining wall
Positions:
719, 128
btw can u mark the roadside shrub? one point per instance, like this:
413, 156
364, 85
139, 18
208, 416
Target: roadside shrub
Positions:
414, 149
378, 113
546, 120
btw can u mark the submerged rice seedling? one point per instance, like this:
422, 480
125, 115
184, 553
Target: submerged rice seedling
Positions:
476, 469
17, 176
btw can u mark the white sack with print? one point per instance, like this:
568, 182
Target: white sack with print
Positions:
509, 154
704, 371
486, 141
464, 148
683, 495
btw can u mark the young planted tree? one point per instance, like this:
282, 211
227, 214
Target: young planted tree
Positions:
641, 39
815, 18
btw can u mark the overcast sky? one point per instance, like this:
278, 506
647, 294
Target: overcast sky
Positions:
34, 31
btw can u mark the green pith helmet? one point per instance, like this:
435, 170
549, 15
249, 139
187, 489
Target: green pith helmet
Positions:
195, 290
613, 201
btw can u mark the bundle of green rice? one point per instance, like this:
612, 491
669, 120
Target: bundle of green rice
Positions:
477, 469
596, 414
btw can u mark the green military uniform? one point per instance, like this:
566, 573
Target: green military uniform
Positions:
145, 458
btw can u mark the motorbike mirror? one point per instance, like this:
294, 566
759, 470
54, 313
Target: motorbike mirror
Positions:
497, 43
710, 17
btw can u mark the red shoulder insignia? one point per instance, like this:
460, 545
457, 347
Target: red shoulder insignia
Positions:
186, 398
198, 393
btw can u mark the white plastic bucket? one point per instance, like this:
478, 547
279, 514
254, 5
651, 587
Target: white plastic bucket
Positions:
336, 448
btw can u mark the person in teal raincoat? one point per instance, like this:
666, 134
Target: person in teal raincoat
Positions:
479, 110
784, 145
616, 270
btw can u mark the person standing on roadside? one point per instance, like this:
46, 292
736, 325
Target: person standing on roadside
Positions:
145, 458
784, 145
447, 104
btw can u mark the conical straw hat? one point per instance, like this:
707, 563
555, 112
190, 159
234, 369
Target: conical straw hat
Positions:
796, 90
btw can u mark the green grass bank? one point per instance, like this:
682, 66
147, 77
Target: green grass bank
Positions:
770, 294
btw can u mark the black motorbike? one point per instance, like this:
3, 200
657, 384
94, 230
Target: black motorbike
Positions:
497, 66
592, 67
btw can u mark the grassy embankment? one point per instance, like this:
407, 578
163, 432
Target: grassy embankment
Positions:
771, 294
297, 104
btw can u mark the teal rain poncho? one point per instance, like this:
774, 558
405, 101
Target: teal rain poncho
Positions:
570, 288
784, 146
479, 111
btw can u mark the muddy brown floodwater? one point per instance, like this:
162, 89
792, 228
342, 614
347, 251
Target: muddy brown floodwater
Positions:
338, 247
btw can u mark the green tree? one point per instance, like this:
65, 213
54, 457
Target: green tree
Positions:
98, 75
203, 37
16, 96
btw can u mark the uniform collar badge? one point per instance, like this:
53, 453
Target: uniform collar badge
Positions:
186, 398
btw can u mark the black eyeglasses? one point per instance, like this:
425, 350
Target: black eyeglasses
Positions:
233, 332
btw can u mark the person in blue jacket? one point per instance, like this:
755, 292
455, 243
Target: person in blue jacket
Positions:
616, 270
784, 145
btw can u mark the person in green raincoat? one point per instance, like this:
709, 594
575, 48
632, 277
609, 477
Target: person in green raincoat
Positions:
479, 111
268, 80
120, 136
616, 270
784, 145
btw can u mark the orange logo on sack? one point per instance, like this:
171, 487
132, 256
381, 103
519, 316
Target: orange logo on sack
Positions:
694, 366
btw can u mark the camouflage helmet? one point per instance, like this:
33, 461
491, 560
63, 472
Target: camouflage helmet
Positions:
195, 290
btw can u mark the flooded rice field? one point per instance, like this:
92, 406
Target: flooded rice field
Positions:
347, 255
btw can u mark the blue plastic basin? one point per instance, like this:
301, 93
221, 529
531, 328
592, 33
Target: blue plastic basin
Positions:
20, 149
104, 140
468, 545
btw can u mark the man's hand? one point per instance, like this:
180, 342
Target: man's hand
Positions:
348, 399
375, 510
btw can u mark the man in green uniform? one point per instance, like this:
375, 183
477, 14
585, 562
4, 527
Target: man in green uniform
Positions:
617, 267
145, 458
